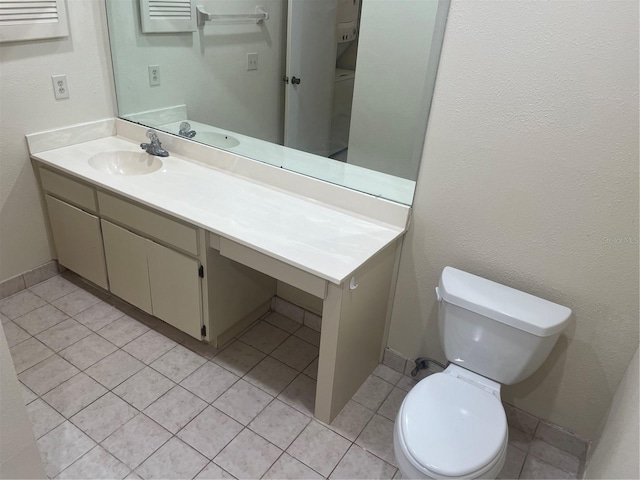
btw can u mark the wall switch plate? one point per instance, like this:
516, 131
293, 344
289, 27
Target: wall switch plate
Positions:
154, 75
60, 87
252, 61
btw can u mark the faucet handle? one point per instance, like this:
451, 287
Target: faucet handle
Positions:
151, 135
185, 126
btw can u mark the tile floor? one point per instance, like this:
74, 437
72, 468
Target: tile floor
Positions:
113, 393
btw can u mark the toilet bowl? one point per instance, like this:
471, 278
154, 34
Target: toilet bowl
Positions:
452, 424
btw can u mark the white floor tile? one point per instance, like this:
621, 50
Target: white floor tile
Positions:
296, 353
373, 392
175, 409
48, 374
144, 388
351, 420
358, 463
213, 472
271, 375
300, 394
178, 363
149, 346
43, 418
210, 432
14, 334
319, 448
97, 464
248, 456
377, 438
209, 381
88, 351
20, 303
279, 423
99, 316
238, 358
136, 440
40, 319
264, 336
174, 460
115, 369
29, 353
54, 288
103, 417
123, 330
61, 447
63, 334
70, 397
287, 467
242, 402
75, 302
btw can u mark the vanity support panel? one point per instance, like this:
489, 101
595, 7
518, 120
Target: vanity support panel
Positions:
353, 329
238, 295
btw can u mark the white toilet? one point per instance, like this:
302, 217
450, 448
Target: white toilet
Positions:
452, 424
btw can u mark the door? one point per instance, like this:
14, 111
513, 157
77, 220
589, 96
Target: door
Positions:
311, 60
78, 241
127, 265
175, 288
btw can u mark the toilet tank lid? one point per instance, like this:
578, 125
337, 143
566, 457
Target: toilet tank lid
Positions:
505, 304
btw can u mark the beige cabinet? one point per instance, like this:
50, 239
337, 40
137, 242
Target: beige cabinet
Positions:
78, 240
154, 278
176, 294
126, 255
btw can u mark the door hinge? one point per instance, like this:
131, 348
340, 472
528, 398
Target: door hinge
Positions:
203, 331
201, 271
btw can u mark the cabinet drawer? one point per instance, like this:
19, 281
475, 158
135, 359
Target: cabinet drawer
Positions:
67, 189
274, 268
155, 225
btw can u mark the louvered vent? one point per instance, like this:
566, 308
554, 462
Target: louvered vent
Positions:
32, 19
162, 16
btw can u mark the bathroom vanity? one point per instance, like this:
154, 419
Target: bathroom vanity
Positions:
201, 239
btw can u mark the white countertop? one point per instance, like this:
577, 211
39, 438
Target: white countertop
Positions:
319, 239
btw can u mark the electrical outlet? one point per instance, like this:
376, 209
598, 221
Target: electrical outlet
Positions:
252, 61
154, 75
60, 87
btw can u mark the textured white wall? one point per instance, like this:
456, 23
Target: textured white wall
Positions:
206, 70
616, 453
27, 105
530, 178
19, 456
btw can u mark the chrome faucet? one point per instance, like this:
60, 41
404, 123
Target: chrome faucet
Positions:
185, 130
154, 147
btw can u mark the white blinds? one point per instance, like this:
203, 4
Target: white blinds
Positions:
160, 16
32, 19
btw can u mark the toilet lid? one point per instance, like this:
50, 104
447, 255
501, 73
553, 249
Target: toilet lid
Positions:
451, 427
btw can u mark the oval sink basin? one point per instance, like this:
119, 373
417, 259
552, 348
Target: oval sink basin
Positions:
125, 163
216, 139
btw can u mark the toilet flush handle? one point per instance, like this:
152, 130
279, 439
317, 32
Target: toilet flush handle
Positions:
438, 296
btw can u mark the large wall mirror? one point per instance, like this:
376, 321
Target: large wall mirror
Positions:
336, 89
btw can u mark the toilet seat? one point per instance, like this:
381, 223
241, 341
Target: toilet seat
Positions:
451, 426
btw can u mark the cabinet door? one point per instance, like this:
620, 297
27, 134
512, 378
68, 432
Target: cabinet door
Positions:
175, 288
78, 241
127, 265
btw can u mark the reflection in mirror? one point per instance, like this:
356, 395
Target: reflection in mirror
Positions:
336, 89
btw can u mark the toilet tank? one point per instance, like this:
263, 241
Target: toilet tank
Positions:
494, 330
